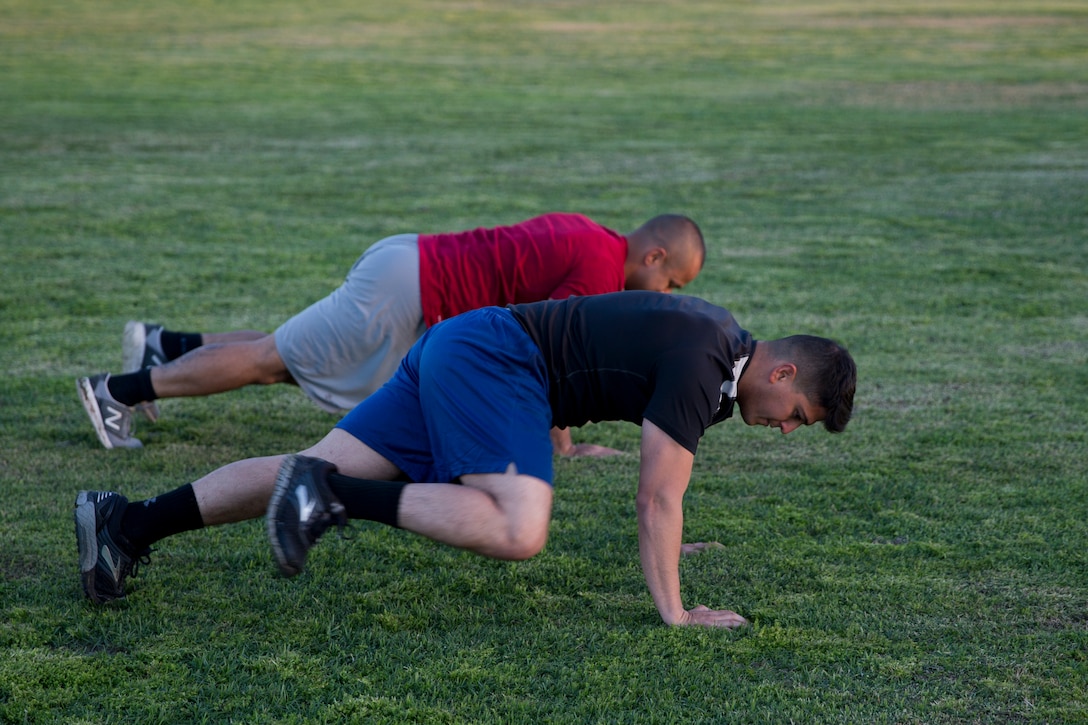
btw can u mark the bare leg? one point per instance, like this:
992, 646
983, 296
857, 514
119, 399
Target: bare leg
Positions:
352, 457
211, 338
241, 490
221, 366
501, 515
238, 491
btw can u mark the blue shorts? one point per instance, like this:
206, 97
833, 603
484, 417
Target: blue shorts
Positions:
471, 396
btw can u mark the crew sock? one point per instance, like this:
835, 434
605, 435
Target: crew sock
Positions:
145, 522
367, 499
132, 388
176, 344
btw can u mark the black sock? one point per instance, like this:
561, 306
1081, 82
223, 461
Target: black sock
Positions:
176, 344
366, 499
132, 388
145, 522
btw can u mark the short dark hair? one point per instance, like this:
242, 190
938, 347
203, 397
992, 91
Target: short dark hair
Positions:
826, 374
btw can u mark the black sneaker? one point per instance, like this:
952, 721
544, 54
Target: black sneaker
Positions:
105, 556
301, 510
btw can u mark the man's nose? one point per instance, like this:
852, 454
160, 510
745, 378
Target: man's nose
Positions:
788, 426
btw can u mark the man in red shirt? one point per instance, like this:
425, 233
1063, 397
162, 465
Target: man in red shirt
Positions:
345, 346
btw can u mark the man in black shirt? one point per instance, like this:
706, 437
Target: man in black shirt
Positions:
456, 446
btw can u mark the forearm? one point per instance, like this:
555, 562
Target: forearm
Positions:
664, 472
660, 530
562, 445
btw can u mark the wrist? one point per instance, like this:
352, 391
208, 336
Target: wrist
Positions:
673, 618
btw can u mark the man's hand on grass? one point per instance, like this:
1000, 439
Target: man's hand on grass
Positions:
705, 617
562, 445
699, 546
590, 450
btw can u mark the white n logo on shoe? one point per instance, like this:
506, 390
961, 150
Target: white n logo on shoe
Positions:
306, 505
113, 420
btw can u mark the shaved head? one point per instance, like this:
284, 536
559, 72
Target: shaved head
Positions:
664, 254
676, 233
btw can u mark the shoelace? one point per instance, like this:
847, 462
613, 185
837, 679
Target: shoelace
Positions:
339, 519
143, 558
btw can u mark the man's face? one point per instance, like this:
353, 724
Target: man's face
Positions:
664, 273
777, 404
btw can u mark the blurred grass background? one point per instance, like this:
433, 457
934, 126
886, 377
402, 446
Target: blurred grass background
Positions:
910, 179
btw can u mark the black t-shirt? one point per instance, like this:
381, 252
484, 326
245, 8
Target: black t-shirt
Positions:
670, 359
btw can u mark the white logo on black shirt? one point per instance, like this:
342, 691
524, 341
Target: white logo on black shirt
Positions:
729, 387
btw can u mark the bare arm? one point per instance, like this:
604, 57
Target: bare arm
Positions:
664, 473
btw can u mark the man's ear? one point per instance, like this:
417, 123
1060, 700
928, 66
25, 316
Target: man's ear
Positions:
654, 256
783, 372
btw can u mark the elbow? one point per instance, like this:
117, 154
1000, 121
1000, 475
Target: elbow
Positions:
649, 504
659, 506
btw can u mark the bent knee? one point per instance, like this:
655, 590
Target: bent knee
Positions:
269, 365
273, 377
522, 545
522, 507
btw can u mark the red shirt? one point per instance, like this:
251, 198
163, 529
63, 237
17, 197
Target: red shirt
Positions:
553, 256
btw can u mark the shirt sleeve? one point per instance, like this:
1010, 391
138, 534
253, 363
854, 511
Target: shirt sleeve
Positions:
686, 394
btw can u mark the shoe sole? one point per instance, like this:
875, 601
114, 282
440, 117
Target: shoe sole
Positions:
283, 478
132, 359
87, 540
132, 346
90, 404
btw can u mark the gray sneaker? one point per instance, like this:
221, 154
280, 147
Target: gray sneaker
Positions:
141, 347
301, 509
106, 558
112, 421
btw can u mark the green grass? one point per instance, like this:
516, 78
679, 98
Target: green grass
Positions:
910, 178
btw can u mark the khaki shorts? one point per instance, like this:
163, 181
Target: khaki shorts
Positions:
342, 348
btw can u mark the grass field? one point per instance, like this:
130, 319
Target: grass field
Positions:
910, 178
